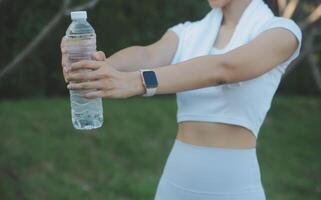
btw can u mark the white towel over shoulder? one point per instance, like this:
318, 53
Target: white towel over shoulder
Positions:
197, 38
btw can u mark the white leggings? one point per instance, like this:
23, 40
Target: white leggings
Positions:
194, 172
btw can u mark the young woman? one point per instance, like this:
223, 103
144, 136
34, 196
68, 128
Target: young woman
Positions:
224, 69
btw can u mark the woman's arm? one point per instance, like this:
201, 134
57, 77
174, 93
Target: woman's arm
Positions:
134, 58
259, 56
262, 54
155, 55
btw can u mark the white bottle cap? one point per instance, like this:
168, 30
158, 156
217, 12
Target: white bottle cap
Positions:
78, 15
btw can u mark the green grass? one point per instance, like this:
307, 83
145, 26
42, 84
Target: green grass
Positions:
43, 157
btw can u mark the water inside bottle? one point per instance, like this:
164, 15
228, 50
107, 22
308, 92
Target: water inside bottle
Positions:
86, 113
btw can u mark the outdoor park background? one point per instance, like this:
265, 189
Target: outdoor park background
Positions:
43, 157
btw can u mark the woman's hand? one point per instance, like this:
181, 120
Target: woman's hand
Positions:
99, 56
109, 82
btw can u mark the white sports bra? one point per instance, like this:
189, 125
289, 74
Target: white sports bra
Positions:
243, 103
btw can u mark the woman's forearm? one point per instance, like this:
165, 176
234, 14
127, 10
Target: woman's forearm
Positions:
192, 74
196, 73
130, 59
157, 54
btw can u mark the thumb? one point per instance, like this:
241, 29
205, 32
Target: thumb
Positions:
99, 56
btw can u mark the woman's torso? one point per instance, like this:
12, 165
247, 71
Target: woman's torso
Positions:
216, 134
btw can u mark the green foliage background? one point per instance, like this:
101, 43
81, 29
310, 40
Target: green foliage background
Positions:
43, 157
118, 23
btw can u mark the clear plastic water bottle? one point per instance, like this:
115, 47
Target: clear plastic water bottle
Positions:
80, 45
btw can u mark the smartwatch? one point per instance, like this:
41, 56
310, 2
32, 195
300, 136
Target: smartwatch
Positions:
149, 81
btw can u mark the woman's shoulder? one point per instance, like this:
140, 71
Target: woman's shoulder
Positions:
290, 25
282, 22
181, 27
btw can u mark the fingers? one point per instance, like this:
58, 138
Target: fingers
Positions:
85, 76
93, 95
64, 58
63, 52
63, 42
65, 75
64, 64
99, 56
85, 85
63, 46
85, 64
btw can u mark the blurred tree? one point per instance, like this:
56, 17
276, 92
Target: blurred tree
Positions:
310, 13
65, 10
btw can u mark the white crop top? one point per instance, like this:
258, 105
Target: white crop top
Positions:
243, 103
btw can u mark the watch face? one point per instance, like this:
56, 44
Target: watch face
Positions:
150, 79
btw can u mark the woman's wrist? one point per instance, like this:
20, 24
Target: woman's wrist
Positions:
137, 83
134, 79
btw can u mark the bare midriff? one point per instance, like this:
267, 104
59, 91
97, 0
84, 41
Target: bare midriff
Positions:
215, 135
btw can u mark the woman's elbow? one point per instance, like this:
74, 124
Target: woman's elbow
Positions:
224, 71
